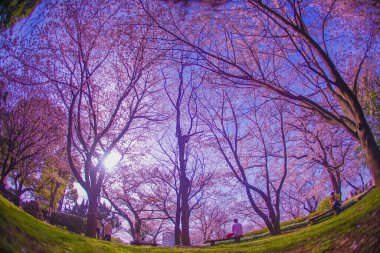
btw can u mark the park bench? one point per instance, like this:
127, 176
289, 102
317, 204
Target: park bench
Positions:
143, 243
212, 242
147, 244
315, 218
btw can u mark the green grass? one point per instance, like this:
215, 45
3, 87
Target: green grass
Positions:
354, 230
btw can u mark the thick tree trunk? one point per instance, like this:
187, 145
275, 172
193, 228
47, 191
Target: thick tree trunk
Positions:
371, 150
267, 220
276, 228
335, 182
4, 176
274, 220
51, 204
137, 231
184, 191
2, 182
91, 215
185, 213
177, 228
17, 199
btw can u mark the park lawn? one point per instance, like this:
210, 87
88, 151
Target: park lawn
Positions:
354, 230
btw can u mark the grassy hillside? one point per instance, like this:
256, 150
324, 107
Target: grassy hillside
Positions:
357, 229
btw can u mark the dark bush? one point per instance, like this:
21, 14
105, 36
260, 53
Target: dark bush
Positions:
10, 196
33, 208
72, 222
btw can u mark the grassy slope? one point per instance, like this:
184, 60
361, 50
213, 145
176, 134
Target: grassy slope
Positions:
355, 230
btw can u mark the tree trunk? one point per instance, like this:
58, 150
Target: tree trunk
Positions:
4, 176
177, 228
185, 213
274, 219
371, 150
184, 190
263, 216
91, 215
276, 228
53, 195
3, 179
137, 233
17, 199
335, 182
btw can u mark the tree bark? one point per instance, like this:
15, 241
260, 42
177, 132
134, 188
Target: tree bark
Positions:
92, 215
177, 228
274, 229
274, 219
371, 150
137, 233
184, 191
335, 182
185, 213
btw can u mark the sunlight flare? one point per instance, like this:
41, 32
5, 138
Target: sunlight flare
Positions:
112, 159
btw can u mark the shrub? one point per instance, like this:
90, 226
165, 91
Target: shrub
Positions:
323, 205
33, 208
72, 222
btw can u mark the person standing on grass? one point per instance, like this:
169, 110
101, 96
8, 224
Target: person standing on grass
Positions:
108, 231
334, 203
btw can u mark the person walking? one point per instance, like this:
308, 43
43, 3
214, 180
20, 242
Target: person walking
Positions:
108, 231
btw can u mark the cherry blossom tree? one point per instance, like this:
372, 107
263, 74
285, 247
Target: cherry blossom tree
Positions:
211, 221
167, 182
29, 132
24, 179
332, 149
254, 142
303, 192
55, 176
128, 192
180, 86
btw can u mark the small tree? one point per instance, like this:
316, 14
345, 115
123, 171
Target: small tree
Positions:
29, 132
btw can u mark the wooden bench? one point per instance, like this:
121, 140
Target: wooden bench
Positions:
143, 243
148, 244
212, 242
315, 218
